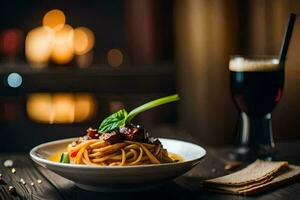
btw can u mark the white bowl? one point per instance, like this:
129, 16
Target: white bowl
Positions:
120, 178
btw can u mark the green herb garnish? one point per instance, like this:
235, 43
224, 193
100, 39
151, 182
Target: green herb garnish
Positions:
64, 158
121, 117
113, 121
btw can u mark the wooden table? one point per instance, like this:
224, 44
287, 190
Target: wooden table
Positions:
188, 186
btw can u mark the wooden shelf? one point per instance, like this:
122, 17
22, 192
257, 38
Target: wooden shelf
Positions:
126, 79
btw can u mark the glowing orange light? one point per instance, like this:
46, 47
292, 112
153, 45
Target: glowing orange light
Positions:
59, 42
38, 46
60, 107
85, 106
39, 107
54, 19
115, 57
63, 50
84, 40
63, 108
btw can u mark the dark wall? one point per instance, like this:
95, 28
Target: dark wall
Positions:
207, 34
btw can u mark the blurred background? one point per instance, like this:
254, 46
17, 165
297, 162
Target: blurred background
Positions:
66, 65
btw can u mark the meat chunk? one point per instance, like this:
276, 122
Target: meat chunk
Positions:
112, 137
134, 133
92, 133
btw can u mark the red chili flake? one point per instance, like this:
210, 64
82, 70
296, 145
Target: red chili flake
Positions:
74, 154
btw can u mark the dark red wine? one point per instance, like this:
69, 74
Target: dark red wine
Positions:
257, 92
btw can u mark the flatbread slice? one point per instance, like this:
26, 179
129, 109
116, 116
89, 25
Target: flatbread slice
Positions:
258, 171
291, 172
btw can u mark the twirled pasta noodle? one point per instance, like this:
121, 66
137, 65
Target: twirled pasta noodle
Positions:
127, 153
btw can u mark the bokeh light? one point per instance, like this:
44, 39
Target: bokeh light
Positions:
59, 42
60, 108
54, 19
115, 57
39, 107
85, 107
63, 50
63, 108
84, 40
11, 41
38, 46
14, 80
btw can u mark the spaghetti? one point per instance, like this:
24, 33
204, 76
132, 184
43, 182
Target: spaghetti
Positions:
118, 142
98, 152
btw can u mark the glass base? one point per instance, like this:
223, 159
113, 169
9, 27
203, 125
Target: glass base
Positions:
255, 139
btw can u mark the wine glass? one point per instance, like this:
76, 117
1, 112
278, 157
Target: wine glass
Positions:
256, 87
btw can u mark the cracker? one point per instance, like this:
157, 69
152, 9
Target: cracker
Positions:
293, 172
285, 175
258, 171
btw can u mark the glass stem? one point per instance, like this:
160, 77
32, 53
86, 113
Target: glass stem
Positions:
256, 133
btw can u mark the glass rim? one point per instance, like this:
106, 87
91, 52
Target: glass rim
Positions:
255, 63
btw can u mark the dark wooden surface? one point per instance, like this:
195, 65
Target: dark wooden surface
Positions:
188, 186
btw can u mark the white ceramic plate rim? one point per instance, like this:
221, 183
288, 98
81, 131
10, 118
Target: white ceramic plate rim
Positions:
46, 162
